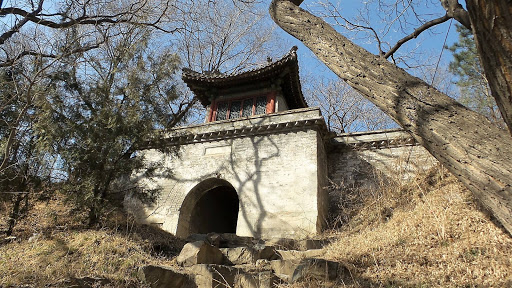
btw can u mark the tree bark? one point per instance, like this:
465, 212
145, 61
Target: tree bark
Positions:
472, 148
491, 22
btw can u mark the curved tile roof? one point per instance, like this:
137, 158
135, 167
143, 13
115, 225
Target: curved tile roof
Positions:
286, 68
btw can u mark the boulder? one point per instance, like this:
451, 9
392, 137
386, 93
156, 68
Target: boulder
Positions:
199, 252
162, 277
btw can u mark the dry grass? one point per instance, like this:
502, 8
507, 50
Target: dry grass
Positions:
437, 237
52, 247
424, 233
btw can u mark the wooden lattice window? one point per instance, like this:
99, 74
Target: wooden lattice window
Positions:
236, 108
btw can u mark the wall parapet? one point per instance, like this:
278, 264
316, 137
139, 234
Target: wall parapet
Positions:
376, 139
282, 122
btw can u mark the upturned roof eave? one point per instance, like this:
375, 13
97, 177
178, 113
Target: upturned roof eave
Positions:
201, 83
190, 76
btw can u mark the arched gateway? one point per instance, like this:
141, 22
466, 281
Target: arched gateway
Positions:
211, 206
261, 138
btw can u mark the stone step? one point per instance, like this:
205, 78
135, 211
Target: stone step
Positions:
296, 270
248, 255
229, 240
199, 252
264, 279
296, 254
224, 240
215, 276
163, 277
296, 244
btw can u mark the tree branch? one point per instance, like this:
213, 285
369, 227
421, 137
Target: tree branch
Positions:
416, 32
11, 62
17, 27
456, 11
36, 18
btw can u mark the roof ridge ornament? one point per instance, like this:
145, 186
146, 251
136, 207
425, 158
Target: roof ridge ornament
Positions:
216, 72
285, 69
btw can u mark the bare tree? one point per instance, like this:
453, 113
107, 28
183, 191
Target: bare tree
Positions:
344, 109
37, 38
226, 36
37, 34
470, 146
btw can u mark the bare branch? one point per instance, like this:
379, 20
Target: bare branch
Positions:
129, 16
338, 15
17, 27
417, 32
456, 11
11, 62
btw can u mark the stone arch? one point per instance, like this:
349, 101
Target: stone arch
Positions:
211, 206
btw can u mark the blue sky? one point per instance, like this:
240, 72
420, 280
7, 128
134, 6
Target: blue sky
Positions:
426, 49
424, 53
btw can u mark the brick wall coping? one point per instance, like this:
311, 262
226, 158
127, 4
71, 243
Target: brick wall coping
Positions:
281, 122
376, 139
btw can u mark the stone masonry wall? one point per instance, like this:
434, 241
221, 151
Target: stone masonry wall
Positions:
280, 166
363, 158
272, 162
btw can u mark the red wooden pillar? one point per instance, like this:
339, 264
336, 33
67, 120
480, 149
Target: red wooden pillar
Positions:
211, 113
271, 102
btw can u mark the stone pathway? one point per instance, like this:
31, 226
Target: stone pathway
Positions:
227, 260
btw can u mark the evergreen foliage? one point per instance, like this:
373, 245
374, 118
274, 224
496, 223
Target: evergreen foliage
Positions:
474, 88
103, 109
25, 168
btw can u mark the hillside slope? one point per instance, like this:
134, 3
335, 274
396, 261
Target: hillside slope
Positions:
424, 233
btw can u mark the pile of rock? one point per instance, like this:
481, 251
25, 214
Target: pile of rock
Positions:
227, 260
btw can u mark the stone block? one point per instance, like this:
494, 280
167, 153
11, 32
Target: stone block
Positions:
296, 270
265, 252
199, 252
295, 254
238, 255
264, 279
215, 276
162, 277
308, 244
296, 244
281, 243
230, 240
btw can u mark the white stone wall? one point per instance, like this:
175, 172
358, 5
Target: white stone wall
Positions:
359, 159
280, 166
275, 174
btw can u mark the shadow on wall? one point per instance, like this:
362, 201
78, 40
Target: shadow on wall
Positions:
359, 175
219, 201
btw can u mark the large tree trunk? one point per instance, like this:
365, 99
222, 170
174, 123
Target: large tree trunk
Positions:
492, 26
477, 152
